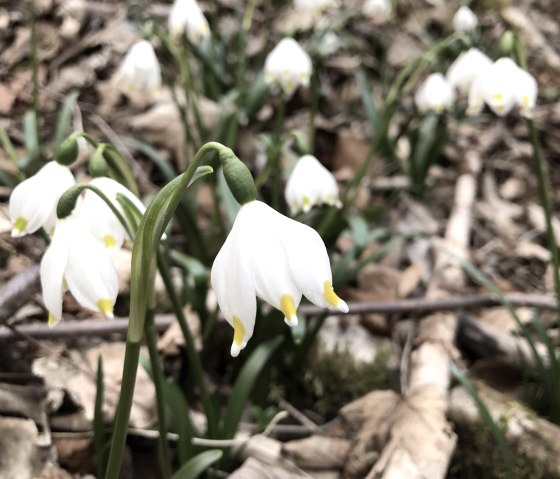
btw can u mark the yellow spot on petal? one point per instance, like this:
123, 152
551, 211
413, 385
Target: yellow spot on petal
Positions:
288, 307
306, 202
64, 284
498, 98
52, 320
332, 298
20, 225
525, 101
238, 331
110, 241
105, 306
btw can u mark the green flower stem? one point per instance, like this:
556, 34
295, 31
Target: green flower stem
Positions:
144, 252
157, 373
315, 93
122, 414
194, 359
539, 165
272, 167
34, 66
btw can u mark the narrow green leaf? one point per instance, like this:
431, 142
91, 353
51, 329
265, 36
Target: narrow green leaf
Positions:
487, 420
245, 383
180, 419
198, 464
367, 101
152, 154
30, 136
99, 438
64, 118
8, 146
120, 169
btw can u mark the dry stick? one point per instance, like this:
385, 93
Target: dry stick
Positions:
421, 441
95, 327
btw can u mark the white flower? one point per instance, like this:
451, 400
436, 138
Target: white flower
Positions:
464, 20
313, 6
310, 184
288, 66
435, 94
466, 67
77, 261
139, 72
502, 87
275, 258
186, 16
33, 202
378, 10
98, 217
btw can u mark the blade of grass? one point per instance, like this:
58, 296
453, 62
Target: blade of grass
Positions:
198, 464
64, 117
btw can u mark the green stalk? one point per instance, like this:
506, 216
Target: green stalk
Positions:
538, 164
34, 65
194, 358
122, 415
315, 92
157, 374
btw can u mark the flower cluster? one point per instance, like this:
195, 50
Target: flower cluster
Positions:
502, 85
275, 258
78, 257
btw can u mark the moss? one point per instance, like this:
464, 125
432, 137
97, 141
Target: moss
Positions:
476, 458
336, 379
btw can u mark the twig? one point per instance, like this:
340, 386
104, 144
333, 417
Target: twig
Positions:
95, 327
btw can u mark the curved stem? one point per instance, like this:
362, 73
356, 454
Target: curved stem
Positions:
538, 163
157, 375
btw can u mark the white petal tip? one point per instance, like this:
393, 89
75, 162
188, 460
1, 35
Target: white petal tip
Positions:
235, 350
109, 315
342, 306
292, 321
17, 234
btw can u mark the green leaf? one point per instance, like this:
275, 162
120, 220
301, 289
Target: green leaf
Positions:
64, 117
231, 206
30, 136
180, 419
8, 146
371, 110
487, 420
198, 464
152, 154
245, 383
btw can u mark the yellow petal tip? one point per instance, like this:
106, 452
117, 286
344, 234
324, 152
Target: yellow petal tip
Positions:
332, 299
106, 307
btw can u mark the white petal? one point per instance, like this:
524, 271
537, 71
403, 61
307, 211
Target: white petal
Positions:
464, 20
526, 90
435, 94
53, 266
90, 273
378, 10
288, 66
499, 86
466, 68
139, 71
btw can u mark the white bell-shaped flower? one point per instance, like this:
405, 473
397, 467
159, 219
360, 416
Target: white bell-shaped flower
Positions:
288, 66
33, 202
466, 67
186, 16
275, 258
379, 10
497, 87
77, 261
98, 217
435, 94
313, 6
139, 72
310, 184
526, 90
464, 20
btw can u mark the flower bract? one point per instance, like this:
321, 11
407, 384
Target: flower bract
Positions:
33, 202
310, 184
435, 94
99, 218
464, 20
77, 261
186, 16
139, 72
275, 258
288, 66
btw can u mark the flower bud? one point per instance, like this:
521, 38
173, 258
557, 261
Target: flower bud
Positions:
97, 166
238, 177
67, 152
464, 20
68, 200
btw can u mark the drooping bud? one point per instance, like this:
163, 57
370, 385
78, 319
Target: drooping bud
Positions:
507, 44
97, 166
67, 152
68, 200
238, 177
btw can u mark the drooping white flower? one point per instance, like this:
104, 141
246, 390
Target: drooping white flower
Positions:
288, 66
379, 10
77, 261
502, 87
275, 258
310, 184
186, 16
466, 67
435, 94
139, 72
313, 6
464, 20
98, 217
33, 202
